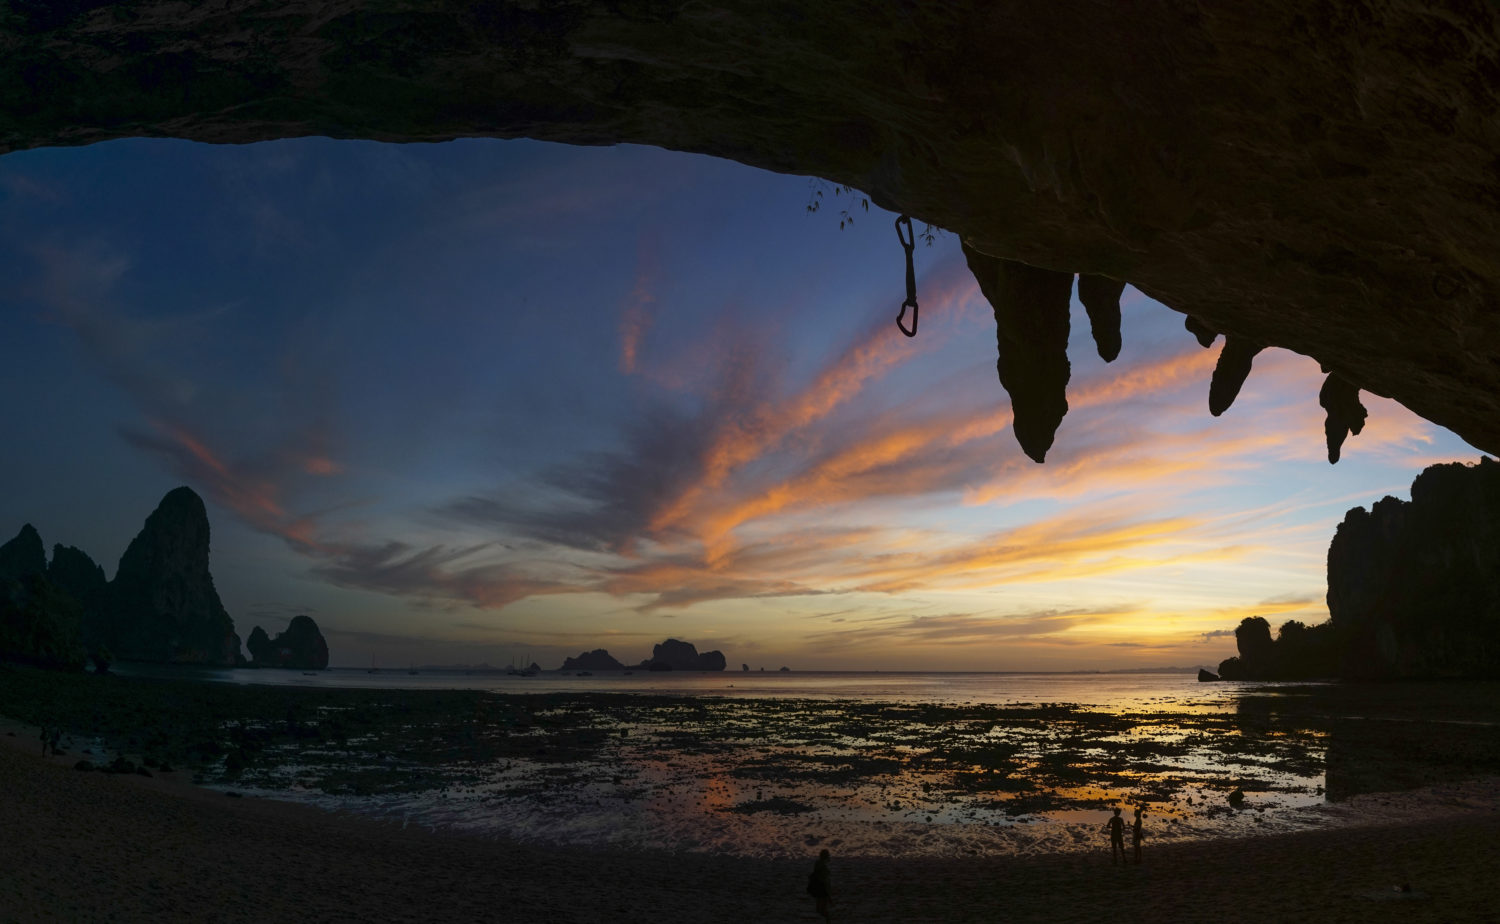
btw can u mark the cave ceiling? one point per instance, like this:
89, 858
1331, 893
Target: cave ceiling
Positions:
1317, 175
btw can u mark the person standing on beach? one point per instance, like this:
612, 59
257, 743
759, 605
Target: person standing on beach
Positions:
1136, 835
1116, 828
820, 884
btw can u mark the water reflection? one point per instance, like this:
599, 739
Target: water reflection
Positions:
1387, 737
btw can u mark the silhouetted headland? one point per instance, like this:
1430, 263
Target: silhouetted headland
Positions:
670, 655
300, 647
161, 607
1413, 591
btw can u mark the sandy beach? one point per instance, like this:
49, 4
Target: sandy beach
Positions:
92, 847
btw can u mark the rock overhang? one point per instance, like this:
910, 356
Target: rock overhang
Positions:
1314, 176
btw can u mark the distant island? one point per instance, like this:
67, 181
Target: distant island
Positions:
1413, 591
670, 655
161, 607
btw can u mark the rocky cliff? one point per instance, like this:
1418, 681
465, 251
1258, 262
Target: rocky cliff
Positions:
74, 573
1298, 652
300, 647
39, 624
676, 655
23, 555
163, 605
596, 660
1315, 176
1414, 587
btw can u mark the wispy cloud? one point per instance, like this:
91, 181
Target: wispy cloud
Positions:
636, 318
959, 628
76, 288
433, 573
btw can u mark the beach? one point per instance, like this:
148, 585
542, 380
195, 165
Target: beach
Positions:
80, 846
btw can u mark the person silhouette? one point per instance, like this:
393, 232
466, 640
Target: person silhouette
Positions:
1116, 827
1136, 834
820, 884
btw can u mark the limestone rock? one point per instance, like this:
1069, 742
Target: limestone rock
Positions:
73, 572
163, 605
300, 647
1230, 373
1031, 330
23, 555
1314, 176
596, 660
1298, 652
676, 655
259, 645
39, 624
1100, 296
1414, 587
1346, 414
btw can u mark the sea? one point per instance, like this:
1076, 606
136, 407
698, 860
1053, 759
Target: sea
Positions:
1104, 690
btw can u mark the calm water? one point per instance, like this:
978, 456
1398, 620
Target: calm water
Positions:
1175, 692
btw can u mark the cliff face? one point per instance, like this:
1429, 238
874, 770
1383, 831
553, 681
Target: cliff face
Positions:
597, 660
1315, 176
1414, 588
39, 624
1298, 652
74, 573
163, 605
300, 647
682, 656
23, 555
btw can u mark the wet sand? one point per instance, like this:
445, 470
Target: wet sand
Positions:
87, 846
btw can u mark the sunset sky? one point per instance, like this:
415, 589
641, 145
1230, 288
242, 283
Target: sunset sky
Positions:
484, 400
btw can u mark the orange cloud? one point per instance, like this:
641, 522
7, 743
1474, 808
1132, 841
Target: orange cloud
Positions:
256, 500
835, 479
870, 357
634, 323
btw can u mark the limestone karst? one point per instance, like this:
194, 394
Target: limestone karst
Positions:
300, 647
160, 607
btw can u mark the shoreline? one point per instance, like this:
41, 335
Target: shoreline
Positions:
87, 846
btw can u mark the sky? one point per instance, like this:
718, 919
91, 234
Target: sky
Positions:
503, 401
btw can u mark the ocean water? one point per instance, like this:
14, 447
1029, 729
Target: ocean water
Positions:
1124, 691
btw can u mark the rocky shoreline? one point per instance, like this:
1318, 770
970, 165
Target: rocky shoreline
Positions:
770, 778
84, 846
